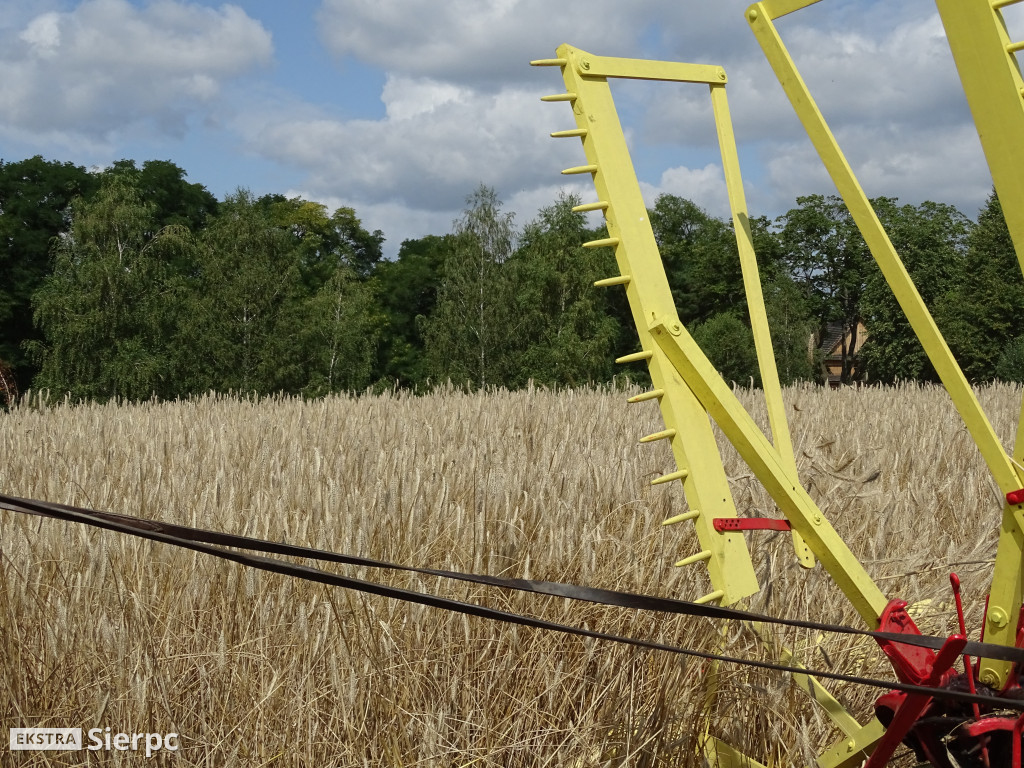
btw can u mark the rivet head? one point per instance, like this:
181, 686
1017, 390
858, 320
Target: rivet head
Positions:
721, 75
752, 14
675, 329
584, 64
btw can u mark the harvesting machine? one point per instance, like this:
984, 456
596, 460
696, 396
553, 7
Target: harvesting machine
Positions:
691, 394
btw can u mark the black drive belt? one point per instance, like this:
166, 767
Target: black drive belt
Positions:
214, 543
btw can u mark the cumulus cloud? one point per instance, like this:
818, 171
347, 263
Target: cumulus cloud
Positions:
881, 72
436, 143
108, 64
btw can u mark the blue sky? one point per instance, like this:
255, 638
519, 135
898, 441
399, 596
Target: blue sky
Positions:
400, 108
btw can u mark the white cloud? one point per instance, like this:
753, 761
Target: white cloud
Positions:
43, 35
705, 186
107, 65
435, 145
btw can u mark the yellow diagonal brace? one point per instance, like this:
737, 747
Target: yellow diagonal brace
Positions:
803, 514
993, 85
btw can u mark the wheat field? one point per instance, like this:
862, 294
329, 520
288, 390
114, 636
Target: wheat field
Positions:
254, 669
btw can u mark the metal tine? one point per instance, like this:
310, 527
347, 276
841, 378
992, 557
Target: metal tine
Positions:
665, 434
654, 394
699, 557
620, 280
693, 514
681, 474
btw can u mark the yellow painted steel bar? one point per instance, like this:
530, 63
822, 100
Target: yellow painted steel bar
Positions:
693, 444
755, 300
589, 65
777, 8
994, 88
759, 454
1006, 590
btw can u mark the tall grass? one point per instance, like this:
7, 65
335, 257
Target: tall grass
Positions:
253, 669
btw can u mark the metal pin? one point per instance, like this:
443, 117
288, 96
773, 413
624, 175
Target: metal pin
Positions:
705, 555
607, 242
580, 169
693, 514
682, 474
559, 97
620, 280
1014, 47
654, 394
568, 134
600, 205
665, 434
635, 357
718, 594
548, 63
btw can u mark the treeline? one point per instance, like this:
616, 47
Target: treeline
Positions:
132, 283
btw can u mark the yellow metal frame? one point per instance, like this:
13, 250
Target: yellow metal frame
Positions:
689, 389
686, 385
971, 26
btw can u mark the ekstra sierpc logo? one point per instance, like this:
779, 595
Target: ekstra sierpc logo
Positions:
96, 739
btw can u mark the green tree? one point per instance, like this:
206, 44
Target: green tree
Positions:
1011, 362
562, 324
162, 185
107, 311
35, 208
242, 326
729, 344
467, 337
931, 240
984, 311
792, 329
700, 258
826, 255
343, 322
325, 240
408, 293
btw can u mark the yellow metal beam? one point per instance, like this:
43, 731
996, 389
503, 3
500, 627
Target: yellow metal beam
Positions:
777, 8
994, 88
755, 300
589, 65
852, 751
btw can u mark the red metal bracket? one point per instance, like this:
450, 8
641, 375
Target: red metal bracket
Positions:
1015, 497
725, 524
912, 664
911, 707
